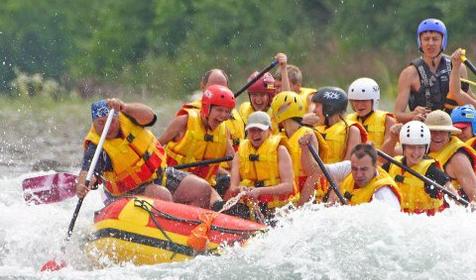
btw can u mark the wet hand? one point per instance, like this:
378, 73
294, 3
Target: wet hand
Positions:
116, 104
253, 193
305, 139
420, 113
456, 57
81, 190
395, 130
282, 59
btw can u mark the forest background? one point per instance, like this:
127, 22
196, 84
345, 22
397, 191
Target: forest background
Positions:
161, 48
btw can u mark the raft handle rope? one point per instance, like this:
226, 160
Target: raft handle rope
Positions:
147, 206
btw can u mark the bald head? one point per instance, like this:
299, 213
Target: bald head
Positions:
214, 77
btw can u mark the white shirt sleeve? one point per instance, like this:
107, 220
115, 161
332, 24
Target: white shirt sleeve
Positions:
339, 170
386, 195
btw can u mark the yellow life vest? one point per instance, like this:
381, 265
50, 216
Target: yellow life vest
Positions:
336, 137
304, 93
374, 124
364, 194
236, 127
198, 144
295, 151
246, 109
471, 142
136, 156
414, 197
445, 154
260, 168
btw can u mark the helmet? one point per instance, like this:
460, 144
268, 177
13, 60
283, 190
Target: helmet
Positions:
415, 133
264, 84
465, 114
432, 24
365, 89
286, 105
217, 95
333, 99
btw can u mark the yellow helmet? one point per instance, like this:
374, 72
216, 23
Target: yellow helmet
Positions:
286, 105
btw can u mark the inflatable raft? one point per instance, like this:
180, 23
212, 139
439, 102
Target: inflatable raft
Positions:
147, 231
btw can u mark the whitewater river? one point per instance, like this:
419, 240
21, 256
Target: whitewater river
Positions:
366, 242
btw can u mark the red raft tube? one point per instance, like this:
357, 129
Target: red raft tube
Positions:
145, 231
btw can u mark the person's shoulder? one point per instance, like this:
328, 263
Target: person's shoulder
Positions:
409, 70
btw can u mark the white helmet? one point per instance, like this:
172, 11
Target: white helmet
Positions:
365, 89
415, 133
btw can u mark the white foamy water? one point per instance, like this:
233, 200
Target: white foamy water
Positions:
366, 242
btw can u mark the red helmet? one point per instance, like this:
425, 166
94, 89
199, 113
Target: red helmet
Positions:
264, 84
219, 96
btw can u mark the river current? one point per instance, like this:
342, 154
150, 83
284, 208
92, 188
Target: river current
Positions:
315, 242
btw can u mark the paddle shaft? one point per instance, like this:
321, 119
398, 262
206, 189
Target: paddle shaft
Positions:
329, 178
423, 178
203, 162
470, 66
252, 81
90, 172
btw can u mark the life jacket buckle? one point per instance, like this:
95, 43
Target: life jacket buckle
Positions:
208, 138
253, 157
259, 184
399, 178
236, 141
130, 138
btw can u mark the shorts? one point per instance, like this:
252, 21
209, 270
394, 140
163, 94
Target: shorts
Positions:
173, 178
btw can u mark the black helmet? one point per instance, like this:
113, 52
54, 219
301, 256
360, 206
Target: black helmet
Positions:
333, 99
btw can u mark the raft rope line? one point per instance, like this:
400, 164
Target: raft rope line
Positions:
147, 206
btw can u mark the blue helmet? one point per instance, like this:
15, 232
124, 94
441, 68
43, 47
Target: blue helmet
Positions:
432, 24
464, 114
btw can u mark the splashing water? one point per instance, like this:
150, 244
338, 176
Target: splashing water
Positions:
315, 242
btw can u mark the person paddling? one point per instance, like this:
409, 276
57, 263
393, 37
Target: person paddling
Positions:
418, 196
457, 158
262, 167
423, 86
133, 161
360, 179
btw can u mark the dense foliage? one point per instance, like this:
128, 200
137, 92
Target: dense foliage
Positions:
165, 46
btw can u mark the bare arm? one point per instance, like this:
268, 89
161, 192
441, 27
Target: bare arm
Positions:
283, 62
459, 167
235, 179
390, 142
401, 103
455, 90
352, 141
286, 175
389, 122
142, 113
175, 130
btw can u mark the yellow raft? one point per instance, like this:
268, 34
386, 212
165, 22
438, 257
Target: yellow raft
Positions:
147, 231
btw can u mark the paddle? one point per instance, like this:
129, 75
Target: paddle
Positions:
423, 178
53, 265
467, 62
60, 186
49, 188
252, 81
329, 178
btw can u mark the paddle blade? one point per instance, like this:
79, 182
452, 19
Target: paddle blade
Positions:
49, 188
53, 265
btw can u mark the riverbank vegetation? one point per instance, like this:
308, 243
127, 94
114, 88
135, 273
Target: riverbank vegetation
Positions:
161, 48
